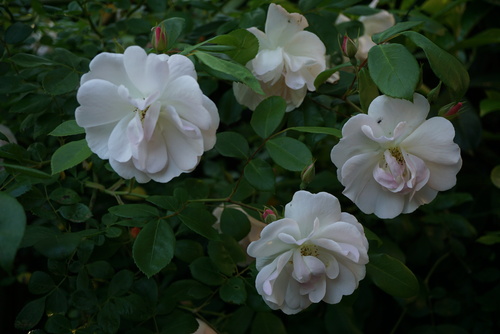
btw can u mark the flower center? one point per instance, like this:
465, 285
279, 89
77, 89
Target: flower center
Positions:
396, 153
309, 250
142, 113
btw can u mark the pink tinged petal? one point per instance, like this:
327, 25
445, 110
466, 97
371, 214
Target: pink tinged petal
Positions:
391, 175
418, 170
331, 264
388, 112
281, 25
365, 192
100, 104
345, 233
119, 144
305, 208
433, 142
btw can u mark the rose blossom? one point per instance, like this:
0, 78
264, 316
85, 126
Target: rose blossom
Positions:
316, 252
203, 328
146, 114
288, 61
373, 24
393, 160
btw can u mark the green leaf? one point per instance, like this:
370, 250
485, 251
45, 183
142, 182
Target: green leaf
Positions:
495, 176
488, 105
490, 238
180, 323
108, 318
188, 250
30, 314
368, 91
245, 45
392, 276
394, 70
447, 68
67, 128
32, 103
58, 245
174, 27
58, 324
234, 223
394, 31
361, 10
267, 323
485, 37
232, 144
17, 32
221, 257
40, 283
316, 129
57, 302
268, 115
204, 270
289, 153
12, 226
154, 247
121, 283
60, 81
260, 175
233, 291
238, 71
69, 155
25, 171
326, 74
164, 202
76, 213
200, 221
29, 60
134, 211
64, 196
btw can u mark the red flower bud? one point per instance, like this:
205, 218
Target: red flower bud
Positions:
453, 110
134, 231
349, 48
159, 38
269, 216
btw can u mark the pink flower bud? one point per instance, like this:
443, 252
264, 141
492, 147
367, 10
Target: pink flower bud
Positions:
269, 216
453, 110
159, 38
349, 48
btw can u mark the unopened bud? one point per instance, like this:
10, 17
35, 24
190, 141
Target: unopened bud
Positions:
307, 175
269, 215
159, 38
349, 47
134, 231
450, 111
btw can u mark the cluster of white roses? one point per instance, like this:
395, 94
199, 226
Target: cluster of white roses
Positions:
149, 117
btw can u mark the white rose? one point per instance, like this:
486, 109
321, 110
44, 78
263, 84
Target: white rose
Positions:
146, 114
315, 253
288, 61
393, 160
